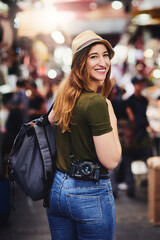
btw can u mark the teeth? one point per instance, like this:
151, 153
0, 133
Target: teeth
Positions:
101, 70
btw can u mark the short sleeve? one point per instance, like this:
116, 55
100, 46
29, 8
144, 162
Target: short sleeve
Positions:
98, 116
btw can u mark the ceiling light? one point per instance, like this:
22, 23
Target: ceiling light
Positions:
3, 7
148, 53
117, 5
156, 73
58, 37
142, 19
52, 73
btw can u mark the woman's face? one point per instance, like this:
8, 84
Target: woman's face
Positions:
98, 64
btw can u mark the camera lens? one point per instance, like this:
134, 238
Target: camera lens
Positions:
87, 169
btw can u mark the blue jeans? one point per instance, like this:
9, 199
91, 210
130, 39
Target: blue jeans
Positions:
81, 210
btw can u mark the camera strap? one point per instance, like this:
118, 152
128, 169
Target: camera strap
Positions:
70, 147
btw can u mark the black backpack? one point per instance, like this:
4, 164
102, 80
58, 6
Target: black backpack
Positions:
32, 161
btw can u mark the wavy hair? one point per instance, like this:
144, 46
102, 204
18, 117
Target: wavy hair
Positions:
71, 88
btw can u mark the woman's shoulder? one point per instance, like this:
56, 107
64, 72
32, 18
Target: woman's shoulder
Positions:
89, 101
91, 97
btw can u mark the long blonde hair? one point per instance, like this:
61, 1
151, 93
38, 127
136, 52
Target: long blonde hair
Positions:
71, 88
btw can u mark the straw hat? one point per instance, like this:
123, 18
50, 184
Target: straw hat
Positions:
85, 39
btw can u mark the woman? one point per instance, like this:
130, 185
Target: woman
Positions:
81, 199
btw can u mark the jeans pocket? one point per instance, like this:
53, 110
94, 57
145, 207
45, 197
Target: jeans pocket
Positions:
86, 209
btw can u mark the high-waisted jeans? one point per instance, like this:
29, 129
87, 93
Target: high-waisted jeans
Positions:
81, 210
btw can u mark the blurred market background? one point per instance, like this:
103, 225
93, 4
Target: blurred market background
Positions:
35, 56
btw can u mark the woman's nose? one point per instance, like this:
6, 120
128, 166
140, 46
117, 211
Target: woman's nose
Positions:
102, 61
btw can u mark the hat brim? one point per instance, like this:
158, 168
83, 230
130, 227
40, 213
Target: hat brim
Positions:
92, 41
97, 40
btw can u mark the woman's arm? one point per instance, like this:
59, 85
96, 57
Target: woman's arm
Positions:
108, 147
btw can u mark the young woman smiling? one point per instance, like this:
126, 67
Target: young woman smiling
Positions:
81, 199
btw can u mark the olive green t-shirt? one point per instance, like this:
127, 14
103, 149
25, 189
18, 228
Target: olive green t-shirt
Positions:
90, 118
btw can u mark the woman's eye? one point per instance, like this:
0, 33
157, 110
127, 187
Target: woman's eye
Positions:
106, 55
93, 56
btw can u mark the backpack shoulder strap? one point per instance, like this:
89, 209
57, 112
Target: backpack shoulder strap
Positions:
44, 149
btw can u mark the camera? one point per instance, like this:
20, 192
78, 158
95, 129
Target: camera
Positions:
85, 170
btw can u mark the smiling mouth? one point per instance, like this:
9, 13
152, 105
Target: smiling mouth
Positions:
100, 70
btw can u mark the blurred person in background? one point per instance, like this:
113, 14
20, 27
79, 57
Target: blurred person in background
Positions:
153, 95
37, 104
136, 106
17, 107
51, 90
4, 70
82, 207
122, 176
